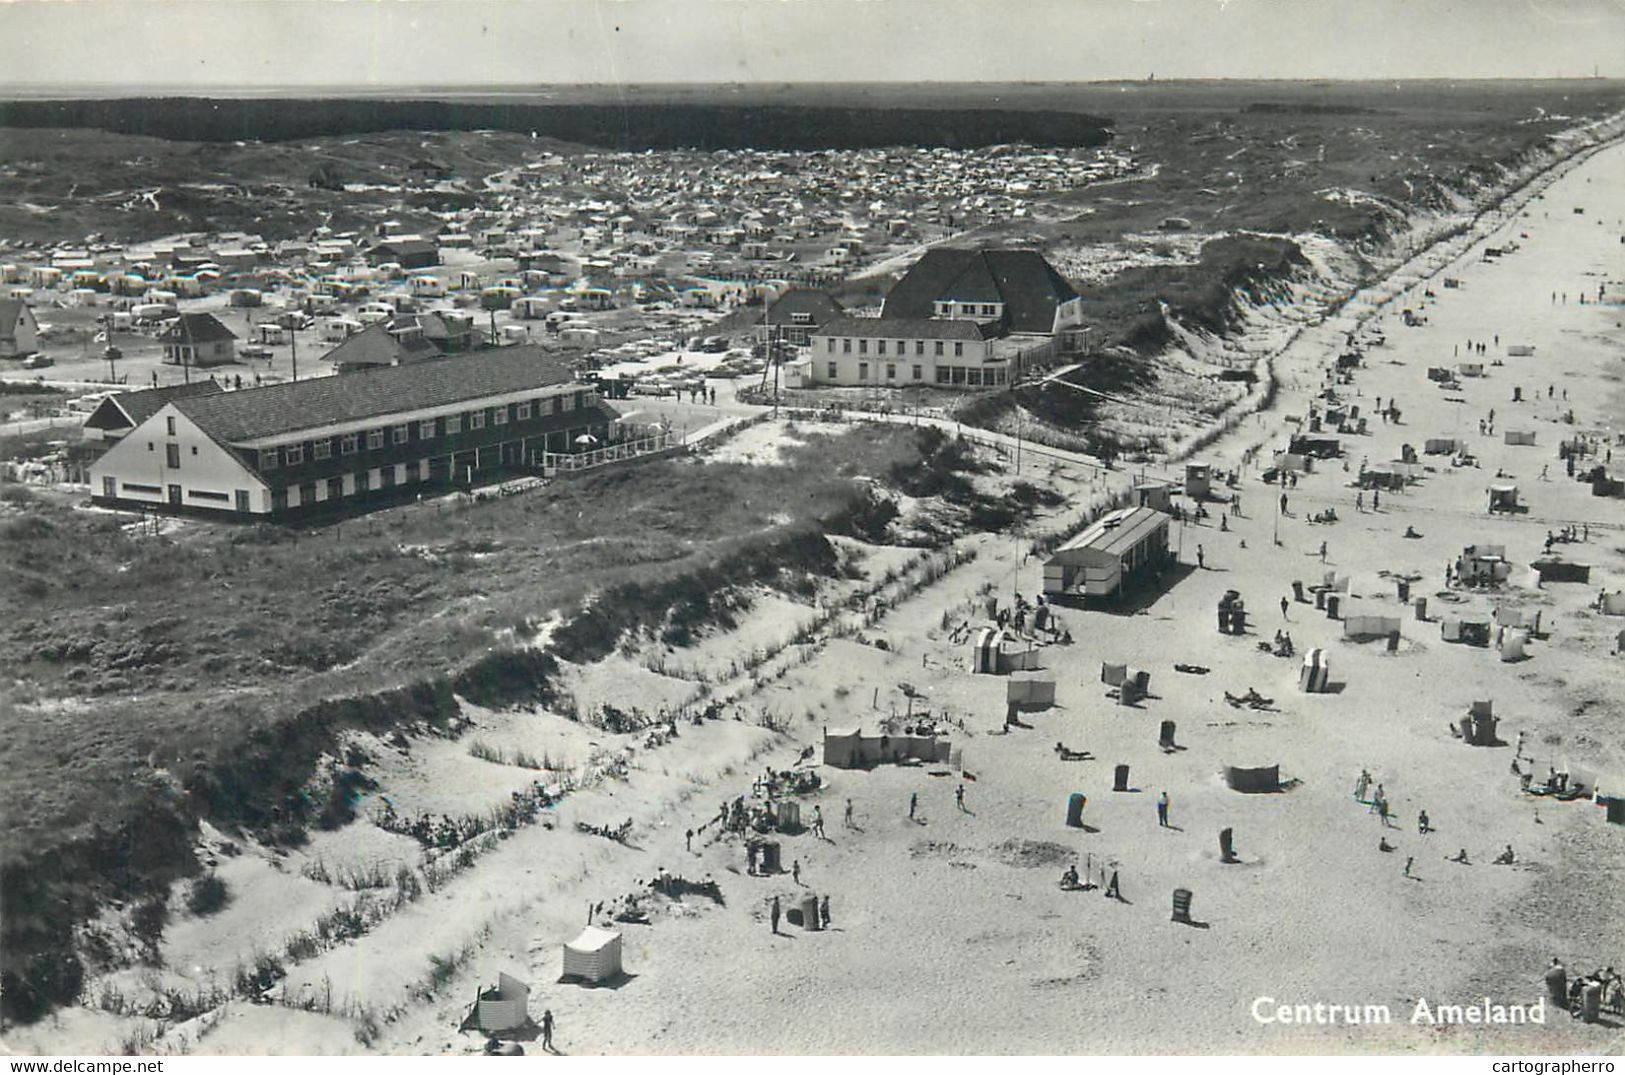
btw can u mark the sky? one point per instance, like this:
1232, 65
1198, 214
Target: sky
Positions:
152, 44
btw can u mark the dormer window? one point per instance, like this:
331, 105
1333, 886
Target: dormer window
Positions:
801, 318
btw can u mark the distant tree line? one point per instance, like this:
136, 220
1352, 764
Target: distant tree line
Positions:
632, 127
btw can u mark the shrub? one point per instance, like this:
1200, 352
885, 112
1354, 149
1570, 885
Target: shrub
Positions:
206, 895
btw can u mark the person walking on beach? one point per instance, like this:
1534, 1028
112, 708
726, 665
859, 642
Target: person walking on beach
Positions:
688, 840
1322, 552
1285, 604
847, 819
1162, 810
1376, 500
1422, 825
773, 913
823, 911
547, 1030
959, 797
795, 871
1283, 504
913, 803
818, 822
1112, 891
1201, 557
1408, 861
1359, 501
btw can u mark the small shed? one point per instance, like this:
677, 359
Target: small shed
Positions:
1158, 495
594, 956
1198, 480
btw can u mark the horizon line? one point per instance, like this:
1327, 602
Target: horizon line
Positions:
189, 89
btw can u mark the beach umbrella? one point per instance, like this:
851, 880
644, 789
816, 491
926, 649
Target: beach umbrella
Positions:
586, 438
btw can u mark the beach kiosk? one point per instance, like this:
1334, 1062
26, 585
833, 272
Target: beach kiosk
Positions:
1100, 563
594, 956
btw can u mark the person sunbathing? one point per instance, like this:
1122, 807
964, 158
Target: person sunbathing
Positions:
1461, 857
1505, 857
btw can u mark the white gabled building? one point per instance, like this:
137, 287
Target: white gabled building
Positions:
353, 440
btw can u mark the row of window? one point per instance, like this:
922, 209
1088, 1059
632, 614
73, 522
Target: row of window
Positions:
949, 375
968, 309
902, 347
427, 429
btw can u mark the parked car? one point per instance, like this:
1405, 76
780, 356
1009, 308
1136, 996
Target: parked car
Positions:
38, 362
254, 350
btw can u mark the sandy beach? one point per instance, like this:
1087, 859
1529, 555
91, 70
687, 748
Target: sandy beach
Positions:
950, 932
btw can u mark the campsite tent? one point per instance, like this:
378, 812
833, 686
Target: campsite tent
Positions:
594, 956
1561, 571
1503, 497
1514, 436
1316, 670
1255, 779
1440, 446
506, 1006
1520, 350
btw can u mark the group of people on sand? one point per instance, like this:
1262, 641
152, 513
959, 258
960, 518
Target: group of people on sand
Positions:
1585, 995
1379, 805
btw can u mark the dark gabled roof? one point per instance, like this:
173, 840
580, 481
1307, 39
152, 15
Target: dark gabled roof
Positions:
1027, 285
196, 328
285, 408
912, 328
377, 346
11, 310
433, 325
803, 300
123, 410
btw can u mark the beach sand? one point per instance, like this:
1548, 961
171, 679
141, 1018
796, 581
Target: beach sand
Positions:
951, 933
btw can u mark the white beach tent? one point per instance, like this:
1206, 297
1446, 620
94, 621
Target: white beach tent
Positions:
1367, 621
594, 956
503, 1008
